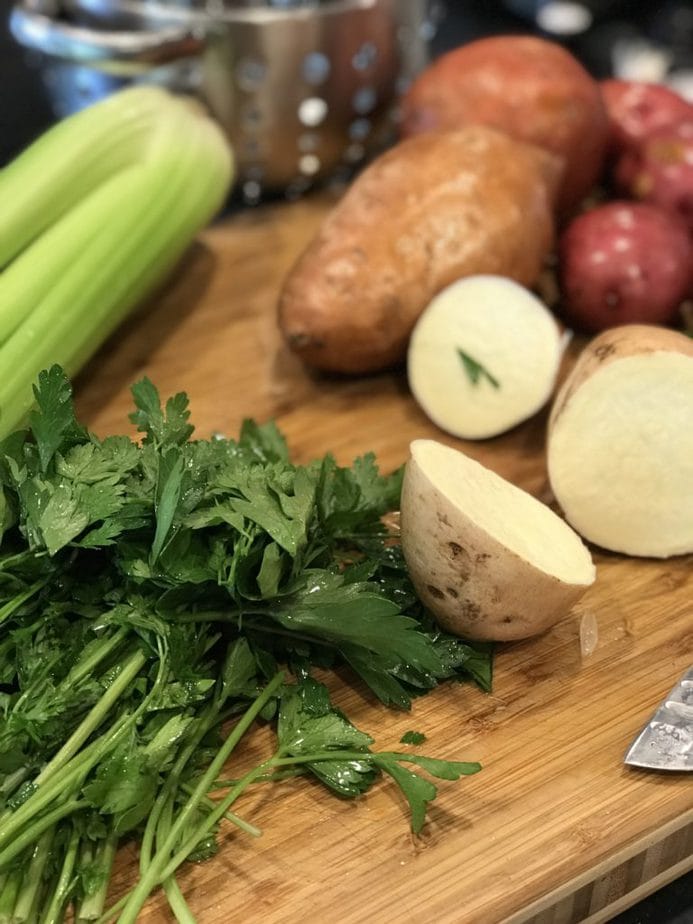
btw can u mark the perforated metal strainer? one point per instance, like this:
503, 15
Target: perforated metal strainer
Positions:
304, 92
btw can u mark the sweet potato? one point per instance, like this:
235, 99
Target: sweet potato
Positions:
430, 210
528, 87
620, 442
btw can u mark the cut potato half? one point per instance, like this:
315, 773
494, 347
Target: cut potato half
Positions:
484, 356
620, 442
489, 560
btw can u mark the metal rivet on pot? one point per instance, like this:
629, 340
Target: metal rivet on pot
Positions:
364, 100
365, 57
316, 68
250, 73
312, 111
354, 153
251, 191
360, 129
309, 164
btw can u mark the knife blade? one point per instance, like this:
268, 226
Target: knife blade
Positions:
666, 742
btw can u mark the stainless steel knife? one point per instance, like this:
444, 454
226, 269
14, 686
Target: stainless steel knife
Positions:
666, 742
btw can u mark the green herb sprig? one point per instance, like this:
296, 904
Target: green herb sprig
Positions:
156, 598
475, 371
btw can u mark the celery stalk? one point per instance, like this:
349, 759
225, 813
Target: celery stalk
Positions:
65, 293
70, 160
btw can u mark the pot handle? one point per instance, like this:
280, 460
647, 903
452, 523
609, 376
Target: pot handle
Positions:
35, 24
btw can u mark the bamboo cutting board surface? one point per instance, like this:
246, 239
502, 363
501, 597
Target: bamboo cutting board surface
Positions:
555, 828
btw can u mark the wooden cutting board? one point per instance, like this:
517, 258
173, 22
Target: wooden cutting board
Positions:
555, 828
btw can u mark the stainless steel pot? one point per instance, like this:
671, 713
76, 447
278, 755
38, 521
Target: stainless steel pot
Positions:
304, 92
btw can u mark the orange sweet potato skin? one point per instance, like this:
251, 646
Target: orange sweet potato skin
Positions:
431, 210
530, 88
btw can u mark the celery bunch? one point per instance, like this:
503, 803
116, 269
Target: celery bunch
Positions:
94, 214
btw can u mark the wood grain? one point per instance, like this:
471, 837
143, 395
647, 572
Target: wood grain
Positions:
555, 828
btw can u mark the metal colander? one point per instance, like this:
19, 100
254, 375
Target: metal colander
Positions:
305, 91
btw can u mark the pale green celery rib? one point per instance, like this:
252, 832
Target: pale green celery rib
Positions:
71, 159
142, 220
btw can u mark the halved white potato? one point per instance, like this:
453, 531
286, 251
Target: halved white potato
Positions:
488, 559
484, 356
620, 442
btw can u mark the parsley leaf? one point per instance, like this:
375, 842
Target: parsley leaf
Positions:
419, 792
265, 442
475, 371
53, 423
412, 737
168, 490
162, 428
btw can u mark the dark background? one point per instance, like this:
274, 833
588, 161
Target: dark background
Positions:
25, 110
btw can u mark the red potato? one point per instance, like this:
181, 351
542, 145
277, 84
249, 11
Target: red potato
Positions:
636, 109
660, 170
530, 88
623, 263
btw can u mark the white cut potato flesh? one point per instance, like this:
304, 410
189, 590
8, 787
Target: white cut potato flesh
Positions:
484, 356
489, 560
620, 442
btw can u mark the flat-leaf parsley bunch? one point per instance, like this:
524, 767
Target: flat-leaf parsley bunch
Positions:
157, 598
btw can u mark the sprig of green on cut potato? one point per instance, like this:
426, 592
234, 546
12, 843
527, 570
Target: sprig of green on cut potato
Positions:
476, 325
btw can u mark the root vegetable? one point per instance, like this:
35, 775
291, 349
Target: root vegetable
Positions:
623, 263
484, 356
530, 88
489, 560
620, 442
429, 211
660, 171
636, 109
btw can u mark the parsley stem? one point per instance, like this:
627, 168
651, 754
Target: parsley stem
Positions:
63, 781
152, 876
65, 883
23, 841
321, 755
13, 781
267, 778
92, 906
86, 665
14, 604
32, 881
114, 910
21, 556
215, 816
176, 900
9, 893
205, 722
95, 717
229, 816
174, 896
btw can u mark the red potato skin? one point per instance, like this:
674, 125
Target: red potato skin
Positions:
623, 263
530, 88
660, 171
637, 109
